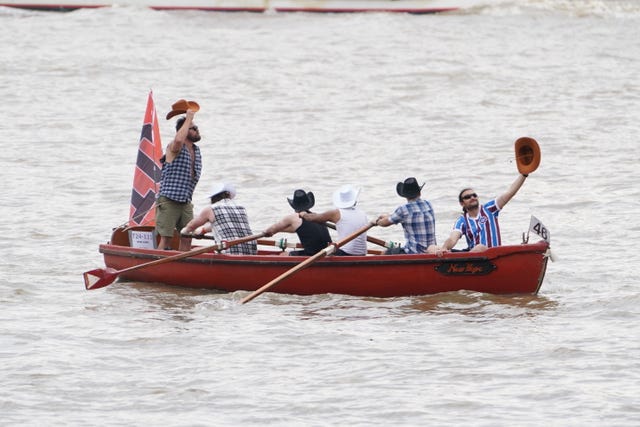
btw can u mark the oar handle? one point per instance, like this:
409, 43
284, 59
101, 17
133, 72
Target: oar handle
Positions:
225, 244
321, 254
370, 239
280, 243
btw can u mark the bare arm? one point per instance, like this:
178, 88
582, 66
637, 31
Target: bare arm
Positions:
181, 136
383, 220
451, 240
289, 224
504, 198
447, 245
332, 215
203, 220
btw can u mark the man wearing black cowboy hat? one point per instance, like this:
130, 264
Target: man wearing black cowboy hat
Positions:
313, 236
416, 216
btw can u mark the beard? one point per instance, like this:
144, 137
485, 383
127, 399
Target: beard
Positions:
193, 138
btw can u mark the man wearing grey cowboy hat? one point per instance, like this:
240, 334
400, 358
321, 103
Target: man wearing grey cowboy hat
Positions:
347, 218
417, 218
313, 236
225, 218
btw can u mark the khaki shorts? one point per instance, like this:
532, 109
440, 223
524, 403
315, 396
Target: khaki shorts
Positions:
172, 216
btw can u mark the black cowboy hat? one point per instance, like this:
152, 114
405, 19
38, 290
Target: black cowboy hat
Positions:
409, 188
302, 201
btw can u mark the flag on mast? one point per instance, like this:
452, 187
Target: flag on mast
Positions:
146, 179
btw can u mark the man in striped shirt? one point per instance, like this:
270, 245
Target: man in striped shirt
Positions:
479, 223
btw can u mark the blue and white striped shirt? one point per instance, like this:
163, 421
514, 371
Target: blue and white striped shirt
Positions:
483, 229
419, 224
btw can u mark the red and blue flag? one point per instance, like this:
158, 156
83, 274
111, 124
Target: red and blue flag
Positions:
146, 179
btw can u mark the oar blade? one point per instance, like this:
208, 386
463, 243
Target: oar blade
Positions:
99, 278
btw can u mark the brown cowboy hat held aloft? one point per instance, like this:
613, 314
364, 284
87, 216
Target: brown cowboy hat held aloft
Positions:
527, 155
181, 106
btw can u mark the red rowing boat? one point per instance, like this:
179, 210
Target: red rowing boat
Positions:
514, 269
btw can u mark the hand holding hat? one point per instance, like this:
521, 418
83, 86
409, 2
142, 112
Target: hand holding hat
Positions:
181, 106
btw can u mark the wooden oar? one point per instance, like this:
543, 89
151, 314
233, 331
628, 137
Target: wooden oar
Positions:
324, 252
371, 239
281, 243
102, 277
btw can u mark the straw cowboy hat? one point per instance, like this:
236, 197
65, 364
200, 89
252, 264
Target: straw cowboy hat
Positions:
221, 187
346, 197
409, 188
527, 155
302, 201
181, 106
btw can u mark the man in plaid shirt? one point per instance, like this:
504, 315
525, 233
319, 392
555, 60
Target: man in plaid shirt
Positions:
181, 169
416, 216
225, 219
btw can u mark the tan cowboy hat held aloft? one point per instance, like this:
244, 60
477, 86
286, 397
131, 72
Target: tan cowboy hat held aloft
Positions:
527, 155
181, 106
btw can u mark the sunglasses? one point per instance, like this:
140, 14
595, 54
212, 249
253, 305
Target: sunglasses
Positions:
194, 128
468, 196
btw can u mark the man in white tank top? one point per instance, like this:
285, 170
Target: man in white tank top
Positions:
347, 219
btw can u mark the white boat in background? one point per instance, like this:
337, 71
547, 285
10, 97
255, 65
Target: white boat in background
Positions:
325, 6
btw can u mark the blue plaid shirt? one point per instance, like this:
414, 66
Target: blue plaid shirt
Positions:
178, 182
419, 224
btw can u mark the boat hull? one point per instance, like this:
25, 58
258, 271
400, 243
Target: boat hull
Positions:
326, 6
516, 269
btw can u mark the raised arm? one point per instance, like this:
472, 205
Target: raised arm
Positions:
181, 136
504, 198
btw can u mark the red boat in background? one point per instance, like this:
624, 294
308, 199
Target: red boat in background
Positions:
260, 6
515, 269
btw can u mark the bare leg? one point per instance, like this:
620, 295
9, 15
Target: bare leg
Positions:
185, 244
165, 242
